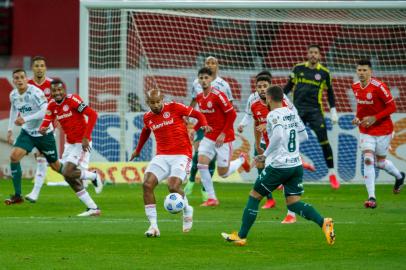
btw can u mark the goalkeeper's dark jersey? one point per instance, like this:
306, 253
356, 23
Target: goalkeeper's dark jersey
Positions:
308, 85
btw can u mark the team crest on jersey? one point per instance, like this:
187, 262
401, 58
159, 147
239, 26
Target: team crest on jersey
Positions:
209, 104
47, 91
167, 115
317, 77
48, 112
274, 121
369, 95
65, 108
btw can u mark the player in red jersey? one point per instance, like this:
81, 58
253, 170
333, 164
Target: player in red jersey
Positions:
174, 153
375, 104
70, 111
220, 115
40, 80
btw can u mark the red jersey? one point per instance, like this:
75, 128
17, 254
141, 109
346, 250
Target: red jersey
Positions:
215, 106
170, 130
70, 114
371, 100
259, 112
45, 87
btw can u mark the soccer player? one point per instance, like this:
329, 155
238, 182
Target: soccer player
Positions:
308, 80
41, 81
220, 115
283, 166
28, 106
375, 104
220, 84
174, 152
70, 111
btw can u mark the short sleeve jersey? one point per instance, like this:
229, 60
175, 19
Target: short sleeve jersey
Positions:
69, 114
286, 155
170, 130
218, 83
45, 87
27, 104
214, 106
371, 100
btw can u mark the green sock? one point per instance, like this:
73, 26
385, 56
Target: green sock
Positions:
307, 211
193, 170
61, 169
249, 216
16, 174
212, 166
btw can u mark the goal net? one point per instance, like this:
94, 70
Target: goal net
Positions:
130, 50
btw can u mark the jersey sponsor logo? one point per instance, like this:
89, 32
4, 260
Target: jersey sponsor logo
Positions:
65, 108
82, 107
63, 116
166, 115
209, 104
369, 95
164, 123
207, 111
317, 76
367, 102
25, 109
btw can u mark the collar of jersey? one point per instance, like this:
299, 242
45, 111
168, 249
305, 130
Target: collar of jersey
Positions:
307, 64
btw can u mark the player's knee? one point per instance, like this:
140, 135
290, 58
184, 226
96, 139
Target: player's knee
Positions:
369, 159
148, 186
381, 163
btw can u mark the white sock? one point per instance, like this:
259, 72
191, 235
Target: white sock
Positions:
290, 213
206, 180
369, 176
86, 199
331, 171
87, 175
150, 212
388, 166
39, 175
187, 206
234, 165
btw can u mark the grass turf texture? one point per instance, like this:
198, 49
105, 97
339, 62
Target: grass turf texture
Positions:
48, 235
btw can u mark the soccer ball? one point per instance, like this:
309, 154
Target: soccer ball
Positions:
174, 203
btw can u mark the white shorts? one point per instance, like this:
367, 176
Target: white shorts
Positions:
378, 144
164, 166
208, 148
74, 153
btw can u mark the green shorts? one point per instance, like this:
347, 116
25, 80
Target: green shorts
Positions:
199, 135
45, 144
271, 178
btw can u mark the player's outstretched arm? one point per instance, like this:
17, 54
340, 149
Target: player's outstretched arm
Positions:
143, 139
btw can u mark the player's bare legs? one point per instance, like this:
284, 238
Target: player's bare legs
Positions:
16, 156
72, 176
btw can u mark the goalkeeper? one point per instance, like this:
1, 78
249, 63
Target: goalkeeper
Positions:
308, 80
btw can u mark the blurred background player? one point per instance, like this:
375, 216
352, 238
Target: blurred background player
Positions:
375, 104
173, 155
283, 166
220, 116
220, 84
308, 80
41, 81
70, 111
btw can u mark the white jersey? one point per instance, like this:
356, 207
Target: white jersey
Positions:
218, 83
31, 106
286, 153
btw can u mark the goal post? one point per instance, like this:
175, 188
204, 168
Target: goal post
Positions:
127, 47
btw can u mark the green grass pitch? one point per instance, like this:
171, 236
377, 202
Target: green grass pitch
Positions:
48, 235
